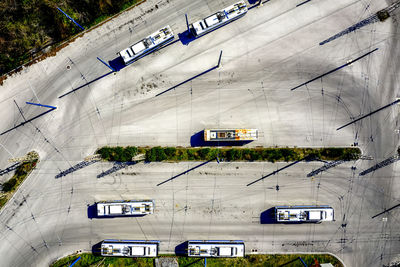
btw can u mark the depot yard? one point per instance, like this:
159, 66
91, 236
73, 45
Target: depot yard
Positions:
298, 72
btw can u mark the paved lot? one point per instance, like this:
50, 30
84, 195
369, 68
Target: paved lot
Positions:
271, 50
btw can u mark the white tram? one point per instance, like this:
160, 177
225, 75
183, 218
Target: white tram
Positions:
129, 248
149, 44
298, 214
219, 19
216, 248
124, 208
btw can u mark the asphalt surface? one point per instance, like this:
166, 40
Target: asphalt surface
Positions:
266, 53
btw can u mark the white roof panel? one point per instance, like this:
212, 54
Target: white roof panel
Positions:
225, 251
315, 215
211, 20
138, 251
115, 209
139, 47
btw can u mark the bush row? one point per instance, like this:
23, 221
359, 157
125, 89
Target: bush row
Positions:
259, 260
152, 154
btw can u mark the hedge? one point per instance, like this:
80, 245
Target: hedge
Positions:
154, 154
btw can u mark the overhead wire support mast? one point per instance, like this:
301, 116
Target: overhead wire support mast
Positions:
71, 19
338, 68
26, 121
40, 105
187, 24
102, 61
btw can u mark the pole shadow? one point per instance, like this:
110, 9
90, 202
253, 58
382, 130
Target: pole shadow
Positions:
181, 249
197, 140
191, 169
188, 80
268, 216
306, 159
385, 211
27, 121
86, 84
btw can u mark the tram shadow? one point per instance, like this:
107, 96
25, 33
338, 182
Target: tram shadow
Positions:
268, 216
96, 249
117, 63
197, 140
186, 37
181, 249
92, 211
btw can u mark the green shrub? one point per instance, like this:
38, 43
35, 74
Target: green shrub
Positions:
334, 153
9, 185
156, 154
191, 154
182, 154
246, 154
3, 201
170, 152
131, 151
274, 155
234, 154
203, 153
105, 152
214, 153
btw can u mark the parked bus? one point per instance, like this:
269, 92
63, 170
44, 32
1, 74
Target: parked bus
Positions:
216, 248
312, 214
230, 134
129, 248
124, 208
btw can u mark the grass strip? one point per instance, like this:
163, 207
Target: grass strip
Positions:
273, 260
9, 187
175, 154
